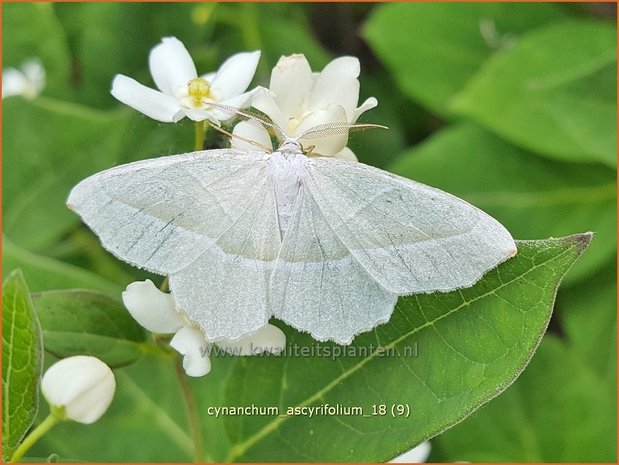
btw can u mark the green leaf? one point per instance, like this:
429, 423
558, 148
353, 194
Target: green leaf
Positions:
587, 315
44, 273
432, 49
533, 197
467, 346
49, 146
125, 33
31, 30
525, 425
283, 37
554, 92
79, 322
21, 362
579, 371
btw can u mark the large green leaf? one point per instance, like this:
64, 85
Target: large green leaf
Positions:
578, 372
432, 49
21, 362
78, 322
531, 196
467, 346
554, 92
32, 31
525, 425
49, 146
44, 273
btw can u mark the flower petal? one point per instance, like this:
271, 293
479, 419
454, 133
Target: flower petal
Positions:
209, 76
153, 309
365, 106
191, 344
346, 154
418, 454
152, 103
337, 84
171, 65
328, 145
234, 76
83, 385
269, 338
35, 73
197, 114
264, 101
13, 82
251, 132
291, 81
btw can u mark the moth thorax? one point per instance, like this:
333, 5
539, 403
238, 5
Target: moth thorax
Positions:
287, 171
290, 146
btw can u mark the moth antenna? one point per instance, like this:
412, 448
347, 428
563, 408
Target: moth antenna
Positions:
332, 129
244, 139
250, 116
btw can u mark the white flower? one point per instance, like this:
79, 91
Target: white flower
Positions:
81, 386
156, 311
28, 81
417, 454
298, 100
181, 92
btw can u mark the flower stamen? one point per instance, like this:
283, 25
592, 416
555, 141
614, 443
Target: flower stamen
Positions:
199, 90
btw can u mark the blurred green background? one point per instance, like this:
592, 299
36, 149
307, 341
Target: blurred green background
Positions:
509, 106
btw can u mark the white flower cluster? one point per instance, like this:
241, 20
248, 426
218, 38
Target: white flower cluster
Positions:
156, 311
297, 99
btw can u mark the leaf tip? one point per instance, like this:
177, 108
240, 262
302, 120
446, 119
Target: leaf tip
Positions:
581, 240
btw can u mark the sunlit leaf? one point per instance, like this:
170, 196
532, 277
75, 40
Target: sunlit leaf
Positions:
467, 347
79, 322
48, 147
554, 93
21, 362
432, 49
44, 273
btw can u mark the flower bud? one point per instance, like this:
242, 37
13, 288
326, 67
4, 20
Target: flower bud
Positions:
82, 387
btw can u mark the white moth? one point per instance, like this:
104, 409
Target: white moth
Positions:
323, 244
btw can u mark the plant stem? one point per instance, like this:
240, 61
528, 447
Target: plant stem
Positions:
192, 412
200, 132
34, 436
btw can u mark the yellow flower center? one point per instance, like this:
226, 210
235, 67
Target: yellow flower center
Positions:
199, 91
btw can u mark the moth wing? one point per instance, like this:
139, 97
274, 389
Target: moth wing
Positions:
408, 236
225, 288
160, 214
206, 219
318, 286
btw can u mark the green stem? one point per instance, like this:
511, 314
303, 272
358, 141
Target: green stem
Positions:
200, 133
192, 411
165, 284
36, 434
